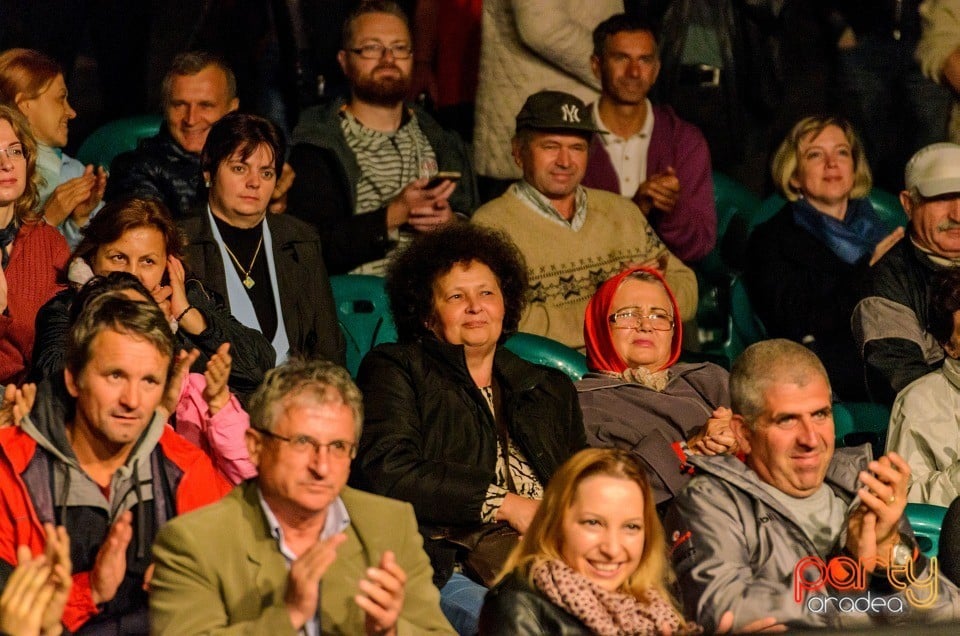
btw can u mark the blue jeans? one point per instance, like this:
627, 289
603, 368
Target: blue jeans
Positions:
461, 600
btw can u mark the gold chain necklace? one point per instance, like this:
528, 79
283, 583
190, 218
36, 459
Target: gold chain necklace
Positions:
247, 281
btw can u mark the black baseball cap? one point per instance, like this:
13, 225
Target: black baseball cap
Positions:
556, 110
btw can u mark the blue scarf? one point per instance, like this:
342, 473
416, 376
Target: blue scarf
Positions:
850, 239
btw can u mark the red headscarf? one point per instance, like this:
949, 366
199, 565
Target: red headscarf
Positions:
601, 354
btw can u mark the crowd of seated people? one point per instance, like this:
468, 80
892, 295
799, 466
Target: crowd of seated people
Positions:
182, 451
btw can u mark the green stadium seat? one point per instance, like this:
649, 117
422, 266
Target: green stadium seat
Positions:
116, 137
549, 353
926, 520
363, 311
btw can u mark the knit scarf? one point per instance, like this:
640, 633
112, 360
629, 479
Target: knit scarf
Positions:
607, 613
851, 239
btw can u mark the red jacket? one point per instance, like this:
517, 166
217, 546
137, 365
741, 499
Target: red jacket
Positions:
19, 524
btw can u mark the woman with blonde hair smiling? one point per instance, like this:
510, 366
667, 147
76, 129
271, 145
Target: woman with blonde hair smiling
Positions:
593, 560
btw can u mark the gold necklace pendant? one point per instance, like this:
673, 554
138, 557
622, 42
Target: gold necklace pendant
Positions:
248, 282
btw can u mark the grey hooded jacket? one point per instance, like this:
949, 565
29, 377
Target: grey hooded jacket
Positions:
735, 547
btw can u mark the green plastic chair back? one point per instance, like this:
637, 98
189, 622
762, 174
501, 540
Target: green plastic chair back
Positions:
743, 326
117, 137
549, 353
858, 422
363, 311
926, 520
732, 200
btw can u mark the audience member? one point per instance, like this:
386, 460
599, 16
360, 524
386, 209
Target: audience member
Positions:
34, 256
648, 154
197, 91
526, 47
95, 456
268, 267
138, 236
202, 409
923, 424
69, 192
36, 593
573, 238
939, 51
753, 537
804, 266
637, 397
366, 163
890, 321
454, 417
881, 84
594, 559
295, 550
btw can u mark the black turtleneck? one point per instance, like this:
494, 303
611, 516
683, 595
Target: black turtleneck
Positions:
243, 243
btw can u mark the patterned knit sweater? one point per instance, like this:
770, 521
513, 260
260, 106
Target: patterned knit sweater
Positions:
566, 267
38, 260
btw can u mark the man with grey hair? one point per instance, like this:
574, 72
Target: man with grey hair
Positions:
295, 550
890, 321
198, 89
776, 534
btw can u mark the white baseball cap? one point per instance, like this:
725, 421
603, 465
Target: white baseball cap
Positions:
934, 170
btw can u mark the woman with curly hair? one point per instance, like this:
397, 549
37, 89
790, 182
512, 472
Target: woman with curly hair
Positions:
33, 254
455, 423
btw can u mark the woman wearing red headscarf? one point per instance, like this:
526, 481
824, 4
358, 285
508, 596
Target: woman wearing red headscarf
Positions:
637, 396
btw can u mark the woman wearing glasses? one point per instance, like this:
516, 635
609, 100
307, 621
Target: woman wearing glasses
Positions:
637, 396
33, 254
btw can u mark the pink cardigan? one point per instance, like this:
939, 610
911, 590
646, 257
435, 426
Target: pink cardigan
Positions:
221, 436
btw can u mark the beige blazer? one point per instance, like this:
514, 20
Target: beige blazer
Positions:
219, 571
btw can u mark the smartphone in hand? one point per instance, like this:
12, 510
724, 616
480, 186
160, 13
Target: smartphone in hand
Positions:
442, 176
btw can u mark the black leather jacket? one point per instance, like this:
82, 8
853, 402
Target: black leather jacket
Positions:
429, 438
158, 169
514, 607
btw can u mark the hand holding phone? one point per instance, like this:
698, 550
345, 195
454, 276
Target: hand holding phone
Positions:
441, 176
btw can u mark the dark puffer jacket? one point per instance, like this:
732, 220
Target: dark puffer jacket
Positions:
429, 438
158, 169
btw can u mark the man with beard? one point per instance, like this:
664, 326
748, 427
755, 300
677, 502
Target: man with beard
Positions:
649, 154
374, 170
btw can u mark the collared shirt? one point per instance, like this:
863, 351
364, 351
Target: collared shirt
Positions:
542, 205
337, 521
628, 156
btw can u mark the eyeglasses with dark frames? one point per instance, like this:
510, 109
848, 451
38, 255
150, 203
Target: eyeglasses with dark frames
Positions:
375, 50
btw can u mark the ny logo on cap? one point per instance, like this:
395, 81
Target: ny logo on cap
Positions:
571, 113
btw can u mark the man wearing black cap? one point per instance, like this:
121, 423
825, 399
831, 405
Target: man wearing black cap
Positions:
573, 237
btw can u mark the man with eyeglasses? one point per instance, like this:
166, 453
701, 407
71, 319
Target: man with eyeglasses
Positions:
295, 550
375, 170
798, 532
